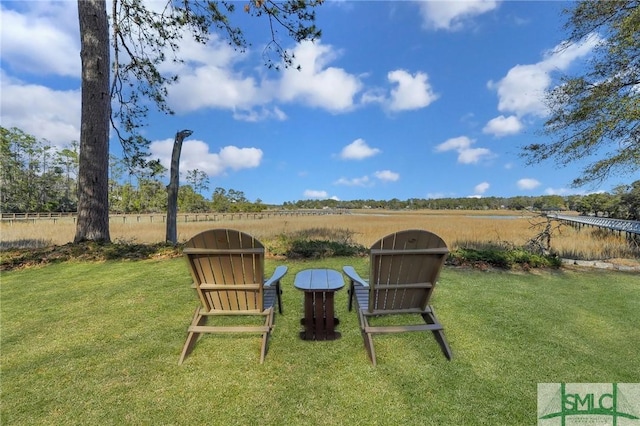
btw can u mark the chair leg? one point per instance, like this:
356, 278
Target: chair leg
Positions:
279, 295
430, 318
192, 336
350, 294
368, 343
442, 341
265, 336
265, 346
367, 338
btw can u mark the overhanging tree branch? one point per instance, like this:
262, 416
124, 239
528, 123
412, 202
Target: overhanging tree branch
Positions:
594, 117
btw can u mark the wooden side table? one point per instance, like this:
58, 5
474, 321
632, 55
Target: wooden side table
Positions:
319, 286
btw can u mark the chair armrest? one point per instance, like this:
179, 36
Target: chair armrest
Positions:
353, 276
276, 276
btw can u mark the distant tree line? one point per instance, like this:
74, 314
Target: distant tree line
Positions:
623, 203
35, 177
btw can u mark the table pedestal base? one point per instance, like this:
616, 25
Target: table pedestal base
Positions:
319, 321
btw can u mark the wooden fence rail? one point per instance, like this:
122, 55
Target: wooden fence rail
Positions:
47, 215
161, 218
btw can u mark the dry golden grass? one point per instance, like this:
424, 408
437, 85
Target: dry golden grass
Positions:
457, 228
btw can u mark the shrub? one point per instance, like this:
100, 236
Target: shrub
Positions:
315, 243
317, 249
503, 258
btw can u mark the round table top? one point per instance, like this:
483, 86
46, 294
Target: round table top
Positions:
318, 280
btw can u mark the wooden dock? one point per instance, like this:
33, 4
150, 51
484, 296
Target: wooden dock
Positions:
631, 228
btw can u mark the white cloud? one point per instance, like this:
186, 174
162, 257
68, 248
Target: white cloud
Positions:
210, 78
315, 84
361, 181
260, 114
358, 150
411, 92
374, 95
240, 158
562, 57
45, 113
451, 15
522, 90
473, 155
459, 143
215, 53
481, 188
382, 175
313, 193
212, 86
527, 184
387, 175
435, 195
42, 40
466, 154
503, 126
195, 155
558, 191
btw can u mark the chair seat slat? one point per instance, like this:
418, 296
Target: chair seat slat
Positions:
225, 287
192, 250
229, 329
401, 252
378, 312
403, 286
403, 328
226, 312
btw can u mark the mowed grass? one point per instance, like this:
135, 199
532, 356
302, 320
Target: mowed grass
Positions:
98, 343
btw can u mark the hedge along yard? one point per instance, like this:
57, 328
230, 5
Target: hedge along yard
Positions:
98, 342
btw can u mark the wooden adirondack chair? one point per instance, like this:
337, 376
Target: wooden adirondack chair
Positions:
227, 267
404, 268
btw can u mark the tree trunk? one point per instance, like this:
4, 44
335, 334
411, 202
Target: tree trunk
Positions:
93, 172
174, 185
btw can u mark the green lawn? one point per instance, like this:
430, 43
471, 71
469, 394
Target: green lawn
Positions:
98, 343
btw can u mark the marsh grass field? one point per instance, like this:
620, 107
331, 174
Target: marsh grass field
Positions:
460, 229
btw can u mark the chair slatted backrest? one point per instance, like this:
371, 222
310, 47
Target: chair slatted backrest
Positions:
405, 267
227, 267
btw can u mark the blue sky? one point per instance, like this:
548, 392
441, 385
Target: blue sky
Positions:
398, 99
